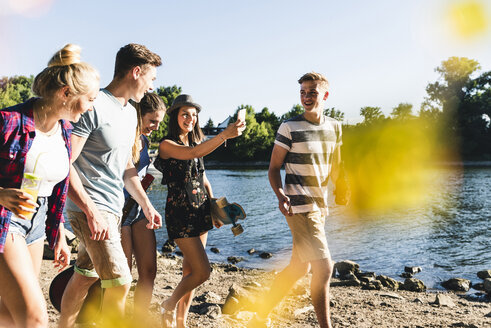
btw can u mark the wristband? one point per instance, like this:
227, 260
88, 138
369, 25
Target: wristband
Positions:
224, 140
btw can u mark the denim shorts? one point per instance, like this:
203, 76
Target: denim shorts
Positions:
136, 214
31, 230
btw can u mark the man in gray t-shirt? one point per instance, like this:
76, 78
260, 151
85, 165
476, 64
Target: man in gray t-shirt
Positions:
101, 167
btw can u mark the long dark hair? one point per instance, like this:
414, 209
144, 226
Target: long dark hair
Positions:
150, 103
173, 129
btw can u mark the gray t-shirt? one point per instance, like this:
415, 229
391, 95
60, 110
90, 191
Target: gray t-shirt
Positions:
110, 131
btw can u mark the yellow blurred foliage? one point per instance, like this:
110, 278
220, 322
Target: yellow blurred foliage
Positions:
388, 163
468, 18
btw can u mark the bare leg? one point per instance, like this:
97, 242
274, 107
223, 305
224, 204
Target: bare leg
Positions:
36, 253
319, 290
127, 243
194, 253
73, 299
185, 302
113, 305
36, 250
282, 284
19, 288
144, 246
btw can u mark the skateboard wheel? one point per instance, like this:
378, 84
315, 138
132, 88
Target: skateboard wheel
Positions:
237, 229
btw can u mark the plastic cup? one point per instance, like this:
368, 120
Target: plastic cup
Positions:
30, 184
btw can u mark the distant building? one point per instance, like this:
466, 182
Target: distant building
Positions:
213, 131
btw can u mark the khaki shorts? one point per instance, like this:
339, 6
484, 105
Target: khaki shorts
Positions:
309, 237
104, 259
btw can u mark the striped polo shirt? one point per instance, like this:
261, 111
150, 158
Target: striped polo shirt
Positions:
308, 162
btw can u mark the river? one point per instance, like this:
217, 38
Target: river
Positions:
449, 236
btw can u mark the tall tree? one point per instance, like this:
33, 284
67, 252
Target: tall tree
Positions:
168, 94
449, 90
334, 113
295, 111
402, 112
209, 123
460, 128
15, 90
256, 138
268, 117
371, 114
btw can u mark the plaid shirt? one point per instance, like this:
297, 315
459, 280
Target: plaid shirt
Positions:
17, 133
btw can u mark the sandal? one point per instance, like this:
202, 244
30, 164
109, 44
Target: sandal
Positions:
168, 317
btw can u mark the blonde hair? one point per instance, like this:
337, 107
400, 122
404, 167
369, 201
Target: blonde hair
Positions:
65, 69
316, 77
150, 103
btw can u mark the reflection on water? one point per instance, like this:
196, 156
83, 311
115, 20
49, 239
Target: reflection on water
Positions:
448, 237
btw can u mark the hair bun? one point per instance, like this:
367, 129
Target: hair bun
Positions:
68, 55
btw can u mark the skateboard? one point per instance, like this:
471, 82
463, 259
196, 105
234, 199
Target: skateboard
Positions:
92, 304
228, 213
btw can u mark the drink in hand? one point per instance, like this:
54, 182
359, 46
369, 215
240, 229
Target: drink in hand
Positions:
30, 184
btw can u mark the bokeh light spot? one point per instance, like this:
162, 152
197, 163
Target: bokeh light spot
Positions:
468, 18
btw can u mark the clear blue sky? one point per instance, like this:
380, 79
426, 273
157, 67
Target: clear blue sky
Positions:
226, 52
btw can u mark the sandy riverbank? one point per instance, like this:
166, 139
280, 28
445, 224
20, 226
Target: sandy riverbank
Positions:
351, 306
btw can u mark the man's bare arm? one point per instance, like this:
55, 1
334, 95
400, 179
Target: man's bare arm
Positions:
277, 158
78, 195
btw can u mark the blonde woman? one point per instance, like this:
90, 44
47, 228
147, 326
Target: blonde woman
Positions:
136, 238
38, 131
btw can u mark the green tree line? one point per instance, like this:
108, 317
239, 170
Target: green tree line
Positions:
457, 110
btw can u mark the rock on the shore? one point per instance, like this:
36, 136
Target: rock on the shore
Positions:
208, 297
231, 305
169, 246
478, 286
235, 259
230, 268
213, 311
487, 285
48, 253
266, 255
457, 284
388, 282
345, 267
346, 283
371, 285
215, 250
236, 299
463, 325
414, 285
348, 276
484, 274
443, 300
406, 275
72, 240
300, 312
251, 251
365, 276
412, 269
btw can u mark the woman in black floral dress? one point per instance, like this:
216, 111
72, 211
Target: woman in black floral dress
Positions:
187, 213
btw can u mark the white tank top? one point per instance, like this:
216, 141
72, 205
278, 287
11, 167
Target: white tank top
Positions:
53, 163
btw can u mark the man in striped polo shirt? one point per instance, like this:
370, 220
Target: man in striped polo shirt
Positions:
309, 147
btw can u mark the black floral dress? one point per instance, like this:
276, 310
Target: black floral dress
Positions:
187, 212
